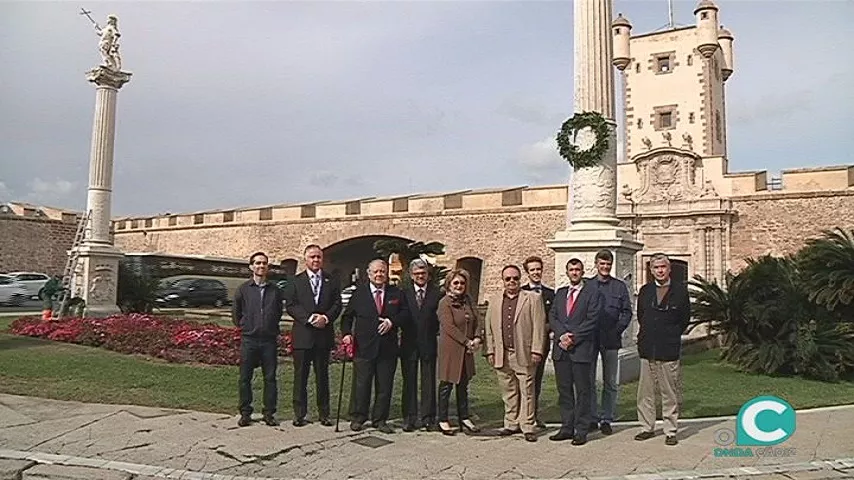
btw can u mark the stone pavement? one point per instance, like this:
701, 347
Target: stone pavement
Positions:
50, 439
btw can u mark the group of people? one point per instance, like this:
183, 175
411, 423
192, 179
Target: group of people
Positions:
434, 333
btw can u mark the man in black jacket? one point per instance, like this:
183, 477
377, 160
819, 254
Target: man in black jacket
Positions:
534, 269
257, 311
418, 346
371, 320
664, 310
313, 299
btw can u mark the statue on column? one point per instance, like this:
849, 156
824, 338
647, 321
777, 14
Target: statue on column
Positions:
109, 44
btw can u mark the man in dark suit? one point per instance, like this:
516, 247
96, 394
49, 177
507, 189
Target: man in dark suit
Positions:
574, 320
313, 299
371, 320
418, 348
534, 269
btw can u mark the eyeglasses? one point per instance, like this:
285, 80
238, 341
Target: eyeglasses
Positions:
515, 279
458, 283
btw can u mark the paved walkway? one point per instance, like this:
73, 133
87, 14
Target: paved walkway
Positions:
50, 439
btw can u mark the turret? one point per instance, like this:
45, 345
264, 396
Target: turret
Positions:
725, 40
707, 27
622, 30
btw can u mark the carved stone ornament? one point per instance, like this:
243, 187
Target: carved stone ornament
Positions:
592, 191
102, 286
670, 174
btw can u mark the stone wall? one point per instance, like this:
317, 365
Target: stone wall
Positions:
497, 237
34, 244
780, 223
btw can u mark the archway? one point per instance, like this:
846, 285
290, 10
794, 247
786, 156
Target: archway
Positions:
289, 267
474, 266
678, 271
348, 259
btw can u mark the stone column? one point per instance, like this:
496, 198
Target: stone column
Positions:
592, 223
99, 258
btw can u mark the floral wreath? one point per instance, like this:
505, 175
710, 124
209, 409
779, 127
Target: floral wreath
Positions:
578, 156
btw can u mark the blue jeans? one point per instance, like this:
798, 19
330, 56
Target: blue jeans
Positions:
608, 409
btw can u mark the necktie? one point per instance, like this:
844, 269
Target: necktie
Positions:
570, 301
420, 297
315, 285
378, 300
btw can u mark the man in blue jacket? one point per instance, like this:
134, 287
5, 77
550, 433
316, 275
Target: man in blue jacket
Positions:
257, 311
613, 321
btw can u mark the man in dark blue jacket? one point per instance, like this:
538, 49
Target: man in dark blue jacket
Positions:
257, 311
613, 321
573, 320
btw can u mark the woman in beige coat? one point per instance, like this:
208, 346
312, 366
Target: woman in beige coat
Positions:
459, 337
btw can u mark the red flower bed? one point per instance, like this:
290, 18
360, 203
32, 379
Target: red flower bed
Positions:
174, 340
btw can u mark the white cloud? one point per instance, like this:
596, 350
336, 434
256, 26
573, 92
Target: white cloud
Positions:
51, 192
5, 192
540, 161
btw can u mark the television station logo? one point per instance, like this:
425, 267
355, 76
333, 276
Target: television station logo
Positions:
762, 423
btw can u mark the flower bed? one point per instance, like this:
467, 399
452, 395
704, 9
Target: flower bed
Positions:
175, 340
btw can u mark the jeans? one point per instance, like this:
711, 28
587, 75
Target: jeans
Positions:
254, 351
610, 384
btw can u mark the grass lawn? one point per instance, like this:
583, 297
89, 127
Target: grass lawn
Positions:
30, 366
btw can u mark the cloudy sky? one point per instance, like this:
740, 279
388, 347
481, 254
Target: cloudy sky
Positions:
242, 103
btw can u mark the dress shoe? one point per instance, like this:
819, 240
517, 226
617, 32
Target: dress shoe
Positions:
449, 431
469, 427
606, 429
383, 427
505, 432
644, 436
579, 440
530, 437
430, 427
326, 422
408, 427
299, 422
356, 426
671, 440
245, 421
562, 435
271, 421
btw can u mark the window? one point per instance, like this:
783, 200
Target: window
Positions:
662, 64
637, 67
691, 117
664, 117
690, 60
665, 120
704, 15
640, 123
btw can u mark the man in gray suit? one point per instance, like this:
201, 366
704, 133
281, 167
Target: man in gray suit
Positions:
574, 320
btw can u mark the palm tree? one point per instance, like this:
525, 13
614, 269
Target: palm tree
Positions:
827, 271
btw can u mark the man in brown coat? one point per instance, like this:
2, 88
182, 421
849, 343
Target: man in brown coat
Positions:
515, 343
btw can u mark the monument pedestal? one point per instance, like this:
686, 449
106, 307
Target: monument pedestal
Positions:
100, 272
583, 244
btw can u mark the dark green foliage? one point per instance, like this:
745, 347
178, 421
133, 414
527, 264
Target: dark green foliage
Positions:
408, 251
786, 315
137, 292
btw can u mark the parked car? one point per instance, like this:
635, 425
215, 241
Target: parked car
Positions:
192, 292
12, 292
32, 281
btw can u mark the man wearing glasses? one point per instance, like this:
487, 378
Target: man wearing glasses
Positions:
664, 310
515, 345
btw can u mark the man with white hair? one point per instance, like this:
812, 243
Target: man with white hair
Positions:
371, 321
664, 310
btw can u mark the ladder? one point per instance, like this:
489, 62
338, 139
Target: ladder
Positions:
71, 263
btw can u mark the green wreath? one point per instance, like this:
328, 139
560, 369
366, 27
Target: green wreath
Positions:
576, 157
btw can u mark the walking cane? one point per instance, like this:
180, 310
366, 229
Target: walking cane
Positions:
340, 393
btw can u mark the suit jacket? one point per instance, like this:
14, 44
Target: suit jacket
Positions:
529, 334
582, 322
421, 332
548, 296
299, 303
361, 320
